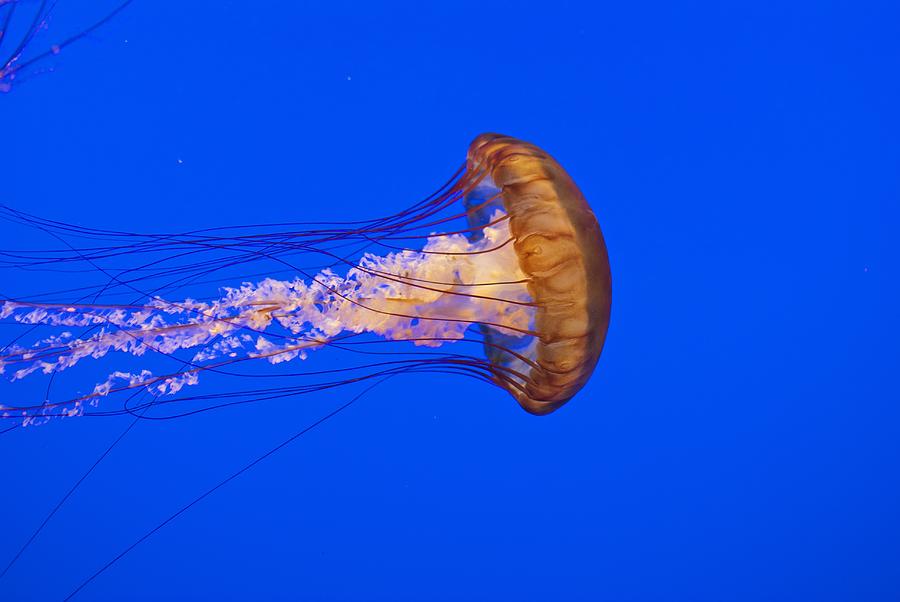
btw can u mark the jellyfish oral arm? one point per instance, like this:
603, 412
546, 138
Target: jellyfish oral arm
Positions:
429, 297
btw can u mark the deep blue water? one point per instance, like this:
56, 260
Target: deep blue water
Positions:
740, 438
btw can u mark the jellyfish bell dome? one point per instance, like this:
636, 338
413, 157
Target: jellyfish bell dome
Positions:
561, 251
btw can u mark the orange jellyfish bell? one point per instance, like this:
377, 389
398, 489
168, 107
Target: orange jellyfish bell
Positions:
561, 251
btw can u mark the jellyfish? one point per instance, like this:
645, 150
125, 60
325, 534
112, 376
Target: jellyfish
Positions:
525, 278
14, 62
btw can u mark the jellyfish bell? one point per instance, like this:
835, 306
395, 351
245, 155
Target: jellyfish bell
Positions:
530, 273
560, 249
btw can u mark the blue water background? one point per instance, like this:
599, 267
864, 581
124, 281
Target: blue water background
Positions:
740, 439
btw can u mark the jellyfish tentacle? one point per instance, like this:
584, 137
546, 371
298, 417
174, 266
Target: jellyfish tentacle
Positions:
13, 64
